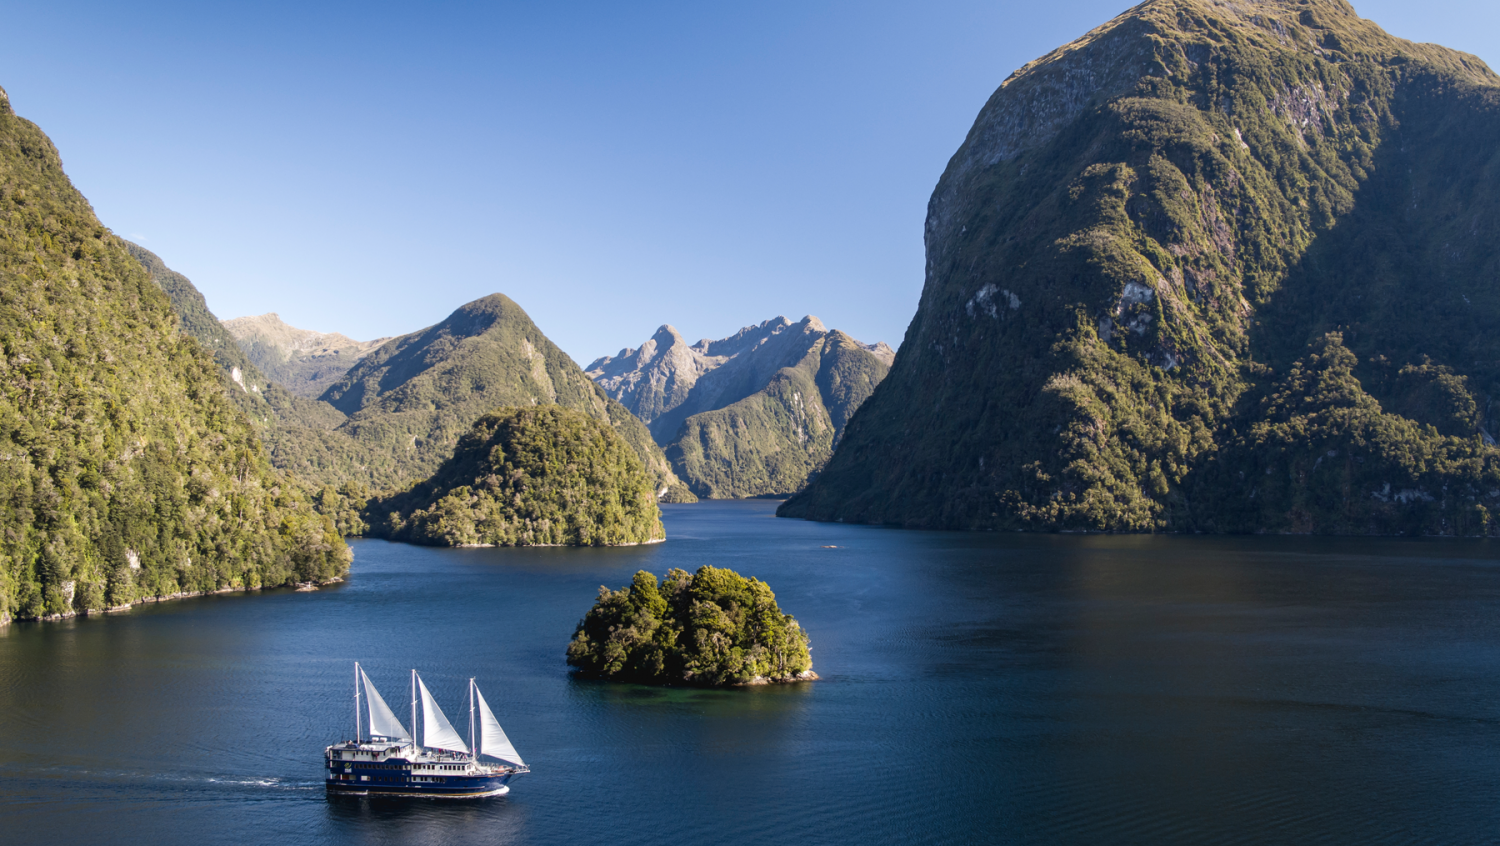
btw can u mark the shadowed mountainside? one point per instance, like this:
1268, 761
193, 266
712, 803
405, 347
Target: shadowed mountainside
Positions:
1211, 267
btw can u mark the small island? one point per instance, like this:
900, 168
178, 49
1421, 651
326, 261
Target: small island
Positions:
539, 476
712, 628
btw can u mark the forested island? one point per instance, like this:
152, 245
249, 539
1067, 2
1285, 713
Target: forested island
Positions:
539, 476
712, 628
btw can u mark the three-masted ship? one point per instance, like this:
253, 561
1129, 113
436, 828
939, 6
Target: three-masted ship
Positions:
385, 759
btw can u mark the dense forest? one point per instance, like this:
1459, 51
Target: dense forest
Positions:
126, 471
542, 475
712, 628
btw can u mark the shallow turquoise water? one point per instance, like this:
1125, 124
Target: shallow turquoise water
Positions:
976, 688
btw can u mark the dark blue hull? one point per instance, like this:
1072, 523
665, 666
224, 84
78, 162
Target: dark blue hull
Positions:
395, 778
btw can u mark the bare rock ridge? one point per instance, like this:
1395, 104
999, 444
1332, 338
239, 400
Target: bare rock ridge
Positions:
754, 414
305, 361
1214, 266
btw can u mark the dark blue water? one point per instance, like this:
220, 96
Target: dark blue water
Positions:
976, 688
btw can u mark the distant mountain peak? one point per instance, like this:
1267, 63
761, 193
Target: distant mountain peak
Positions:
304, 360
787, 388
417, 394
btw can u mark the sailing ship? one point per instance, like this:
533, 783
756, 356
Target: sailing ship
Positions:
385, 759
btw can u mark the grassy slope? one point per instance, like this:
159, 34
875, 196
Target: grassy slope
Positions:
1203, 270
118, 445
770, 442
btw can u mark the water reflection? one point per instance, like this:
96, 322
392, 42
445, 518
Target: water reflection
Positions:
379, 820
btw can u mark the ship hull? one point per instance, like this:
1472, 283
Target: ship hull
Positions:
418, 790
354, 770
452, 787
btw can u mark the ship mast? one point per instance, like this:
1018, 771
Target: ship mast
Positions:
357, 738
473, 750
414, 747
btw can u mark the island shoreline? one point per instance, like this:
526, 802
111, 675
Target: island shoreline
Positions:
300, 587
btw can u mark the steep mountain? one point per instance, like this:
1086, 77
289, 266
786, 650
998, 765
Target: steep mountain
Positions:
1212, 267
526, 477
307, 363
267, 404
197, 321
753, 414
410, 401
125, 471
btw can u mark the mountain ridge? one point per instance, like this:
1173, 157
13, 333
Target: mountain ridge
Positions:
127, 472
753, 414
305, 361
412, 398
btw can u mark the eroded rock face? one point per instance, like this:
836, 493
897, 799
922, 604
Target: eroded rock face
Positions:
753, 414
1177, 262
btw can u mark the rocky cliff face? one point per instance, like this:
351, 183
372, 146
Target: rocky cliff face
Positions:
1214, 266
753, 414
306, 362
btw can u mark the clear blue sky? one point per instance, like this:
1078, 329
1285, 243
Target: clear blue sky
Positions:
368, 167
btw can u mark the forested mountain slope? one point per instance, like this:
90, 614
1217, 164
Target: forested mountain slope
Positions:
753, 414
412, 399
267, 403
1211, 267
125, 471
543, 474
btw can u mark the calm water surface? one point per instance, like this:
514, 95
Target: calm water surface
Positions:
976, 688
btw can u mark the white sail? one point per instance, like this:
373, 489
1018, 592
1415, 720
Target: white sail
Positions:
383, 723
437, 732
492, 739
